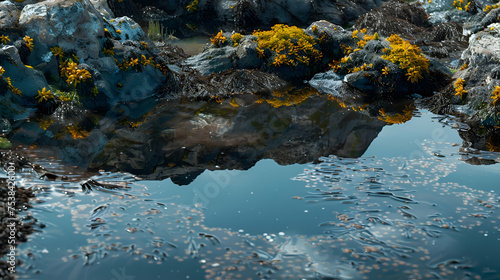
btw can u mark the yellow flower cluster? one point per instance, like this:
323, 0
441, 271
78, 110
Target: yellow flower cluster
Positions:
459, 88
279, 39
44, 95
135, 61
44, 123
73, 75
495, 95
491, 146
459, 4
9, 83
348, 50
408, 57
489, 8
314, 29
29, 42
4, 39
236, 38
218, 40
145, 61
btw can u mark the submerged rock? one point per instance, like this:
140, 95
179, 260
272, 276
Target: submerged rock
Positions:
228, 136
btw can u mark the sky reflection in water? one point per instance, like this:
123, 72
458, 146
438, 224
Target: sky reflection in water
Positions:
409, 208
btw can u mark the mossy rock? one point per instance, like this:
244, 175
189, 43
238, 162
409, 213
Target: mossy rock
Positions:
5, 143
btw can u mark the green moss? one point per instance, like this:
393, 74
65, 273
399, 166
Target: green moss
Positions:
5, 143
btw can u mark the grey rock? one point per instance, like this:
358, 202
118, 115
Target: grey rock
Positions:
70, 24
26, 79
9, 14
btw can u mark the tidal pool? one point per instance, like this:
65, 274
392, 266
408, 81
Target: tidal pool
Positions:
402, 205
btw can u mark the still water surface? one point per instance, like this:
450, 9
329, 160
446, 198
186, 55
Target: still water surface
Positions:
408, 207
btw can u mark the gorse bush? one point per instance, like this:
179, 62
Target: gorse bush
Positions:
408, 57
290, 43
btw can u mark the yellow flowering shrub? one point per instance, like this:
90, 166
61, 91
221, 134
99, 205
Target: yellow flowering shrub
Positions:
73, 75
290, 43
29, 42
408, 57
44, 95
459, 88
236, 37
495, 95
218, 40
4, 39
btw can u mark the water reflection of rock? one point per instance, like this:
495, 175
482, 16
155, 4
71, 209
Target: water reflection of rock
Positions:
182, 141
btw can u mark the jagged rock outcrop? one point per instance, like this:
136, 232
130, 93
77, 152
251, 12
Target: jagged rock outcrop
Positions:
188, 17
411, 22
25, 79
70, 24
480, 81
114, 58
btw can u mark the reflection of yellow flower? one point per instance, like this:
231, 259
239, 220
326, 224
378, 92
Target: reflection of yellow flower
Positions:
234, 103
290, 97
44, 123
73, 75
144, 44
491, 146
77, 132
397, 118
44, 95
2, 70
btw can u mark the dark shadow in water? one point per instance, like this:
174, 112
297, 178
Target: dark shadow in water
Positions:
182, 138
